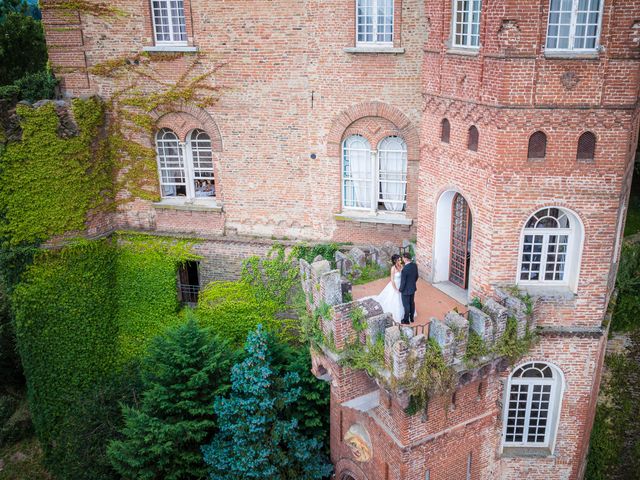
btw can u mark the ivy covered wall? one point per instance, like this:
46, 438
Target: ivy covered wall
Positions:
56, 173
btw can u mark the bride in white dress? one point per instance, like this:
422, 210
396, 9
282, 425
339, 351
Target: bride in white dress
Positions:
390, 298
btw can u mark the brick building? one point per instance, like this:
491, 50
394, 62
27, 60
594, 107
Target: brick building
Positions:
499, 135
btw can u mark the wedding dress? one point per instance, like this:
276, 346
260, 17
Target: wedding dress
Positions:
391, 300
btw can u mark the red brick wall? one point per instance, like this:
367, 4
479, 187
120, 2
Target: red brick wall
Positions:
290, 91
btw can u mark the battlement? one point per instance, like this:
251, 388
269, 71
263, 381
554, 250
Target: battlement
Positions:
485, 338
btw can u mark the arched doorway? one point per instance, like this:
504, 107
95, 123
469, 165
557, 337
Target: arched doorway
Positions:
347, 476
460, 258
452, 248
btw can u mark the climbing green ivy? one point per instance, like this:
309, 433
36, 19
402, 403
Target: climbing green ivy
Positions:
48, 183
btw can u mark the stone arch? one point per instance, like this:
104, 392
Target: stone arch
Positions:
346, 468
184, 118
403, 124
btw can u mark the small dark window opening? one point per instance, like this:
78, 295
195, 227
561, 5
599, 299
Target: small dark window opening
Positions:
188, 282
474, 137
587, 146
445, 133
453, 401
537, 146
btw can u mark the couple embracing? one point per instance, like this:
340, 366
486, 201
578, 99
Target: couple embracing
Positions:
397, 297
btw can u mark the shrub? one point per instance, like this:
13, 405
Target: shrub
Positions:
626, 314
232, 310
94, 420
258, 437
182, 374
36, 86
67, 341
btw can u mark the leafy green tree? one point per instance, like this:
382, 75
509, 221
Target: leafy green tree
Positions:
22, 47
182, 374
258, 436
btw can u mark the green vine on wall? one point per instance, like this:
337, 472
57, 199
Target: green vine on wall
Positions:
132, 125
50, 183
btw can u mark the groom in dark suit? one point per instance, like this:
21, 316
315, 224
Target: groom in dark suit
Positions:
408, 279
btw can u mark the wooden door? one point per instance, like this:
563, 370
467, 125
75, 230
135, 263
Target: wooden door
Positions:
460, 242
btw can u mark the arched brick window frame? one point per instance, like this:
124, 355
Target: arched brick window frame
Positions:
375, 122
199, 139
348, 467
537, 149
586, 147
473, 138
445, 130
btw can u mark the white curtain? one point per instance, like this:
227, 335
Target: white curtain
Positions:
357, 173
393, 173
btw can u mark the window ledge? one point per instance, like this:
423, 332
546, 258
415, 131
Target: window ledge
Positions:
571, 55
170, 49
196, 206
515, 452
389, 219
373, 49
466, 52
560, 292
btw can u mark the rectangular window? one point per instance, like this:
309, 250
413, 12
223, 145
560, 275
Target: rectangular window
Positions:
528, 414
374, 22
466, 23
169, 23
574, 24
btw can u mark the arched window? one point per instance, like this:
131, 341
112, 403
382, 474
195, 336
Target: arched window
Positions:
550, 248
532, 406
173, 174
357, 173
392, 174
186, 169
587, 147
202, 161
374, 180
474, 138
445, 132
537, 146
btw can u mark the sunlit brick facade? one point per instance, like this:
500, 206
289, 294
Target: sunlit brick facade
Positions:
300, 78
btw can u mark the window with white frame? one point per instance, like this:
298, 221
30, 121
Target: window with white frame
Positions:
374, 22
374, 180
532, 406
574, 25
466, 23
186, 169
169, 24
550, 244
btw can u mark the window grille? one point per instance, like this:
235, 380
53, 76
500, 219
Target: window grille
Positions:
186, 170
169, 23
586, 146
374, 22
445, 132
574, 24
189, 282
466, 23
531, 406
474, 138
537, 146
545, 247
